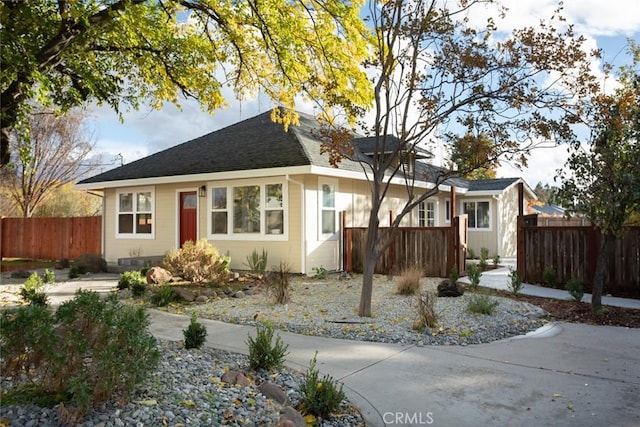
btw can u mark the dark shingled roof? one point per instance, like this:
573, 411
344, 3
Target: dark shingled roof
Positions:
496, 184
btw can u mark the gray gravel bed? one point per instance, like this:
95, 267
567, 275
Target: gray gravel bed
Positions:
328, 308
186, 390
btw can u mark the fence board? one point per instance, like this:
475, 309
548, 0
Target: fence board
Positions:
427, 247
572, 252
50, 238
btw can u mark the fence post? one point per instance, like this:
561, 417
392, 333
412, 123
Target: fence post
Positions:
520, 240
451, 250
1, 229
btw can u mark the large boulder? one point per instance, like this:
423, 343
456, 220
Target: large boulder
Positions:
157, 275
91, 263
448, 289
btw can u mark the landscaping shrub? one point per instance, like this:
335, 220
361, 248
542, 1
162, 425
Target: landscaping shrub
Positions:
263, 352
471, 254
474, 274
427, 316
515, 281
195, 334
91, 350
130, 278
32, 292
197, 262
320, 396
484, 254
320, 273
496, 260
575, 289
138, 289
75, 271
279, 283
257, 263
454, 275
549, 276
164, 295
408, 283
482, 304
48, 276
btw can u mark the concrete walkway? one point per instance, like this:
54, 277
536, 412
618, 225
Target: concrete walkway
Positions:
562, 375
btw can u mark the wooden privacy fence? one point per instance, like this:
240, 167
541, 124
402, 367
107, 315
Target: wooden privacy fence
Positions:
436, 249
50, 238
572, 252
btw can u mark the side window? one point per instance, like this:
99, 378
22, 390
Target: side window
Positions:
134, 212
274, 209
328, 208
219, 210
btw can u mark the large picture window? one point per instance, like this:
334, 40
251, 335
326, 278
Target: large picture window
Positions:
135, 213
249, 210
479, 214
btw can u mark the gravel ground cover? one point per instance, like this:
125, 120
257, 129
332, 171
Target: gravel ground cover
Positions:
328, 308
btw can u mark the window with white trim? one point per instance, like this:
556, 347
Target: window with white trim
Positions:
427, 214
328, 207
447, 210
479, 214
134, 211
248, 210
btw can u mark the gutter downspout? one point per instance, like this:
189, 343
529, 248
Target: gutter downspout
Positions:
303, 235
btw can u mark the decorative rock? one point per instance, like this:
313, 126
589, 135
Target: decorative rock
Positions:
235, 378
201, 299
157, 275
92, 263
185, 294
447, 289
238, 294
274, 392
290, 414
21, 274
286, 423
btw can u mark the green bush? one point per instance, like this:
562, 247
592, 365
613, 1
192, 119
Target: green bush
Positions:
164, 295
496, 260
575, 289
408, 282
484, 255
515, 282
52, 351
320, 396
74, 271
197, 262
471, 254
138, 289
48, 276
549, 276
320, 273
482, 304
32, 291
129, 279
279, 283
195, 334
263, 352
454, 275
257, 263
474, 274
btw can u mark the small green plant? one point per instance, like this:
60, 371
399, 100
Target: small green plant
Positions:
138, 289
164, 295
575, 289
74, 272
195, 334
474, 274
549, 276
320, 396
279, 283
129, 279
496, 260
426, 307
48, 276
484, 255
408, 283
454, 275
257, 263
482, 304
32, 291
264, 353
471, 254
320, 273
515, 282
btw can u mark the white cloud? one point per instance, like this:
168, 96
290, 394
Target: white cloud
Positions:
541, 166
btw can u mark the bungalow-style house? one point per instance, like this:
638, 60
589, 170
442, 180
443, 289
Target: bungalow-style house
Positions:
253, 186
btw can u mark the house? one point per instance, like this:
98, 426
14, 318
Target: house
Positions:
253, 186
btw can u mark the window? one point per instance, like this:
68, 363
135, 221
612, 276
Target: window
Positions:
447, 210
426, 214
479, 215
219, 213
328, 208
135, 213
248, 210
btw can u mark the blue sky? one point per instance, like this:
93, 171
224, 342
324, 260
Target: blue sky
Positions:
605, 23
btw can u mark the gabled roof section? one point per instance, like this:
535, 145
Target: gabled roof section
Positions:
366, 145
496, 184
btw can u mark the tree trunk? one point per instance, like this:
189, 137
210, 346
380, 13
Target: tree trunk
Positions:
370, 258
602, 268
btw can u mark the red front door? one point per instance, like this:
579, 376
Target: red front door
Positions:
188, 217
